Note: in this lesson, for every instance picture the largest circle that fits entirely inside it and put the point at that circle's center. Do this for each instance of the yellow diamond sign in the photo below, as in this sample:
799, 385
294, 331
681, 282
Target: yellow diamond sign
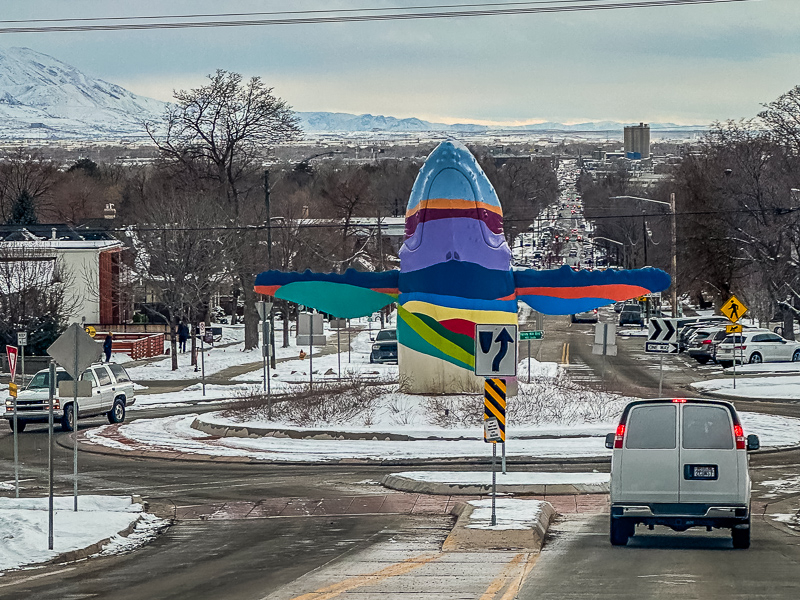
733, 309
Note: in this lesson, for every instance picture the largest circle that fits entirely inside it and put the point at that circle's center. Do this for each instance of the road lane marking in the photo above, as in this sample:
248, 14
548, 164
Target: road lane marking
394, 570
501, 581
32, 577
516, 584
565, 354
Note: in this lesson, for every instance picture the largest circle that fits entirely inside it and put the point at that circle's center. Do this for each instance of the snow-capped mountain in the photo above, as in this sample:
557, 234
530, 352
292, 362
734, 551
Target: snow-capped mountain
42, 97
320, 122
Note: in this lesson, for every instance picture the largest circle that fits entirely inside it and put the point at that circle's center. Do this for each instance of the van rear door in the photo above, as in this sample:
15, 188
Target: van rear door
709, 459
649, 465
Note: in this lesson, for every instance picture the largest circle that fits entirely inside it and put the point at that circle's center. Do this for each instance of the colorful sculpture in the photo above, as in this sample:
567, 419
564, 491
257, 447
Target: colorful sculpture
455, 272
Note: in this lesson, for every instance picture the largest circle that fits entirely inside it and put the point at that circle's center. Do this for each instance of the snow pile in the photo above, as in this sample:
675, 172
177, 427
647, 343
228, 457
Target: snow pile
24, 525
510, 478
509, 513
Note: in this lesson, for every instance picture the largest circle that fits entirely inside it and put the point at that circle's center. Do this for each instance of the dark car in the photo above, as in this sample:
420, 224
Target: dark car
589, 316
631, 315
384, 349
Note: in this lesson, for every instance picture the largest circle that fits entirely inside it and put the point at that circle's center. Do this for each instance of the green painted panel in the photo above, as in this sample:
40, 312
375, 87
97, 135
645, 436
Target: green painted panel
464, 341
444, 348
338, 299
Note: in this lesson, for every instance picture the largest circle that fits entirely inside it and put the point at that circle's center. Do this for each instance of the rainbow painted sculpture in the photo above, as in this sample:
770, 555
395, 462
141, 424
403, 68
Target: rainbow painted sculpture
455, 272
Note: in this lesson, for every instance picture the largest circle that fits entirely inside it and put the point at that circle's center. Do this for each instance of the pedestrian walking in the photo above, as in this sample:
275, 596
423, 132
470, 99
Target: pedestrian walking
107, 344
183, 335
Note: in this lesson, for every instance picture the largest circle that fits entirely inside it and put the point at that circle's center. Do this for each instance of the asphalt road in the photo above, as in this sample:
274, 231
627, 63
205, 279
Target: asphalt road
201, 556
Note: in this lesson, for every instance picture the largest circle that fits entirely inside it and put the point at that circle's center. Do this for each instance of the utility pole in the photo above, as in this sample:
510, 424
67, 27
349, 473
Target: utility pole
674, 299
269, 266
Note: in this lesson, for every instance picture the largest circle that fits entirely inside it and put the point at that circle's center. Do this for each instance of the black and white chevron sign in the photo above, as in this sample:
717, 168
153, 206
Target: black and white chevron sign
662, 336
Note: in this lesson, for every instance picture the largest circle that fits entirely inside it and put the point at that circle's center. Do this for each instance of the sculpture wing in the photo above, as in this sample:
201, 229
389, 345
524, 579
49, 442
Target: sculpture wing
564, 291
346, 296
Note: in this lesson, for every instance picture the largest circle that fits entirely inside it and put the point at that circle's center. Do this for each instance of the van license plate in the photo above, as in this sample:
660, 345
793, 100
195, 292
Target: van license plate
701, 472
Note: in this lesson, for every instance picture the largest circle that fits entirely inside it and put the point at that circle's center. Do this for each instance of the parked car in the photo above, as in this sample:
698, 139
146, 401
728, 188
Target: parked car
385, 347
688, 325
589, 316
618, 306
757, 346
680, 463
111, 393
631, 314
702, 345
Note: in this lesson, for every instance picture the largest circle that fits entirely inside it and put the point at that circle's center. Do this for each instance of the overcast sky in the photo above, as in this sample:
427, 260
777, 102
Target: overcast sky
682, 64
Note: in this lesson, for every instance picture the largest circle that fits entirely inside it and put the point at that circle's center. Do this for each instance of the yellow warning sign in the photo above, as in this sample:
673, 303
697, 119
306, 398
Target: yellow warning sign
733, 309
733, 329
90, 330
12, 389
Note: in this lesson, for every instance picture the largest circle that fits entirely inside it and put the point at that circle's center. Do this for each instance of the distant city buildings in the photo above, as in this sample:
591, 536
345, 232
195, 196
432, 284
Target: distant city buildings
637, 141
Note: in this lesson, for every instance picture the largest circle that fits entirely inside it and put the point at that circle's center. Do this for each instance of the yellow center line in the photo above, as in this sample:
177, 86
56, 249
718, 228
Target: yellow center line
502, 579
394, 570
514, 587
565, 354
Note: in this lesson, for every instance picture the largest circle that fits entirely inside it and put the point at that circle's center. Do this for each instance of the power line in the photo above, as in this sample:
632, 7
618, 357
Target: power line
296, 225
396, 16
297, 12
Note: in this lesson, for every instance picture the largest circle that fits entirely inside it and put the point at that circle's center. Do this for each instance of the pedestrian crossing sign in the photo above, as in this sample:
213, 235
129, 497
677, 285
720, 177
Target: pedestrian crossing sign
733, 309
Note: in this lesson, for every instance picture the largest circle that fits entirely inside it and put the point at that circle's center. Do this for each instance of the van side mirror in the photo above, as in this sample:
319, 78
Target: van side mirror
610, 440
753, 442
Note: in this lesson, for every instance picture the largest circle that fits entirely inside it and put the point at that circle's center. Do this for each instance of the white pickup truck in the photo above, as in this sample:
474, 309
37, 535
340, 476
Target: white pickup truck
111, 393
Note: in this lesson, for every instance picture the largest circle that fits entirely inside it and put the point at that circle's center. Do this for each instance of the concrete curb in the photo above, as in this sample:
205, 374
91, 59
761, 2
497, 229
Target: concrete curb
82, 553
255, 432
406, 484
462, 538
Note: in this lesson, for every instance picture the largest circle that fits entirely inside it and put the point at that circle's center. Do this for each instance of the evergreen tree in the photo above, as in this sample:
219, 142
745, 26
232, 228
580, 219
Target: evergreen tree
23, 212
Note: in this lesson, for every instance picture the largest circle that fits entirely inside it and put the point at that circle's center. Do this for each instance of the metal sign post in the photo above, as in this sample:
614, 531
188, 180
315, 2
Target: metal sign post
22, 341
51, 393
12, 390
662, 338
74, 350
202, 328
605, 343
311, 351
494, 425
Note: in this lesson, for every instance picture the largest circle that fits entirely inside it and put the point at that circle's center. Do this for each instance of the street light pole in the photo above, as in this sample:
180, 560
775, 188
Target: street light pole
674, 239
674, 298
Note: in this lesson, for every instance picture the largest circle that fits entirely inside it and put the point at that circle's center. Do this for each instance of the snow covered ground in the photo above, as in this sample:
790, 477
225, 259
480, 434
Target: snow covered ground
510, 478
510, 514
175, 434
24, 526
784, 387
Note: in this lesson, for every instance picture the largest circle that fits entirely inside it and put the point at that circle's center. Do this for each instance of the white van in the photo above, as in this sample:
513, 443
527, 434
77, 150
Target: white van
681, 463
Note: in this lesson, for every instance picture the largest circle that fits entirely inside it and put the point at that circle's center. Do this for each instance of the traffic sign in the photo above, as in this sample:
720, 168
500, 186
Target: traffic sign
496, 350
494, 410
22, 338
90, 330
202, 329
662, 336
12, 389
733, 309
733, 328
531, 335
74, 350
605, 339
12, 351
263, 309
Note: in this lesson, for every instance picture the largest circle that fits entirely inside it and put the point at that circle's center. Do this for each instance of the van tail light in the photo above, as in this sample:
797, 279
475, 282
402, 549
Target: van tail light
619, 436
679, 400
739, 433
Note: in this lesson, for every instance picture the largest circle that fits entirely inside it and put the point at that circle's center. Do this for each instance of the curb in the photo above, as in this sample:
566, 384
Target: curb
406, 484
462, 538
81, 553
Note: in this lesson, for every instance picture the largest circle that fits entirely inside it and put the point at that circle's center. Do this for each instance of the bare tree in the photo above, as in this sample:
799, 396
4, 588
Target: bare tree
222, 132
23, 174
179, 252
33, 295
